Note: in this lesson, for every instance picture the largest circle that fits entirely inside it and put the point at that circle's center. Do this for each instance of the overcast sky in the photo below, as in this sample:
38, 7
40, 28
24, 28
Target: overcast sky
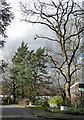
21, 31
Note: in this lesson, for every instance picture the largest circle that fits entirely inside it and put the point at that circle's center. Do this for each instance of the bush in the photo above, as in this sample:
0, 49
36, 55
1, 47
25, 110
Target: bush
45, 104
38, 103
7, 100
24, 102
55, 101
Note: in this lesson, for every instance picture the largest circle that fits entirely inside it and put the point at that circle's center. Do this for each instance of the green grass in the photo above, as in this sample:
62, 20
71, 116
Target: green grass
33, 106
38, 111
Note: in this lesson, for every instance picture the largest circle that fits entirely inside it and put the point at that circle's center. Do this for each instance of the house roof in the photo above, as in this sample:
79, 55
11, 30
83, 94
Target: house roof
81, 89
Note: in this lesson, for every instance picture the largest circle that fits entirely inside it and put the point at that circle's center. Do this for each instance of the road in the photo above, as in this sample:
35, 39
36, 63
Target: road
14, 112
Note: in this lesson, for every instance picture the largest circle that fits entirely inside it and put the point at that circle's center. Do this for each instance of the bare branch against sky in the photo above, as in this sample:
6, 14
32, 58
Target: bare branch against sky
20, 31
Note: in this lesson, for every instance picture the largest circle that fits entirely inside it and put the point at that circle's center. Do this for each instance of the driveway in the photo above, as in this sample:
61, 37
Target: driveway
14, 112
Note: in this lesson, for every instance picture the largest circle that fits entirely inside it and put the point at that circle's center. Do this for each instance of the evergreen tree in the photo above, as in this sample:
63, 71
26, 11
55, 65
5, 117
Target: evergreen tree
6, 17
29, 71
14, 83
36, 71
19, 67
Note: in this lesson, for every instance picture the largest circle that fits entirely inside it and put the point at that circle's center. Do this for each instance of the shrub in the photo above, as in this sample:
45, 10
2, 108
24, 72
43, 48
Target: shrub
55, 101
7, 100
45, 104
24, 102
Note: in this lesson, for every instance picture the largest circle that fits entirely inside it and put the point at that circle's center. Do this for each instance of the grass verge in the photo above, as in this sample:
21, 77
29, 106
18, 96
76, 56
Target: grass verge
38, 111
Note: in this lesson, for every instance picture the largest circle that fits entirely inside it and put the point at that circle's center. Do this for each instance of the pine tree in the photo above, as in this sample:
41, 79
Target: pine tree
14, 83
6, 17
36, 71
29, 70
19, 67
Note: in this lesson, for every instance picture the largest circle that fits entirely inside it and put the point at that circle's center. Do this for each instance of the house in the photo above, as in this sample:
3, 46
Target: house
77, 94
77, 89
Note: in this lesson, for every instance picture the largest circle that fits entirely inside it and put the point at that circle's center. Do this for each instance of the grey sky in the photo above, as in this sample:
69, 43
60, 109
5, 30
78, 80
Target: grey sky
21, 31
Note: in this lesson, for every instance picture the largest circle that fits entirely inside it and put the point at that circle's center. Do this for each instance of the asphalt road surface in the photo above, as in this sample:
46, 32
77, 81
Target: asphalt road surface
14, 112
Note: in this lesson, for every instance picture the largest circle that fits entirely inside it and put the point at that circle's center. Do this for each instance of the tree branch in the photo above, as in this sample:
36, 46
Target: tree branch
73, 72
37, 36
57, 67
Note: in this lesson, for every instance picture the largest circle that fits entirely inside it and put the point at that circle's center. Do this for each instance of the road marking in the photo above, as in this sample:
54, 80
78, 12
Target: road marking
15, 116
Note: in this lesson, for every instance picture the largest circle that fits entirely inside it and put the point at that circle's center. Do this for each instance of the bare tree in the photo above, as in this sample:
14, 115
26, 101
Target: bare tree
9, 85
64, 19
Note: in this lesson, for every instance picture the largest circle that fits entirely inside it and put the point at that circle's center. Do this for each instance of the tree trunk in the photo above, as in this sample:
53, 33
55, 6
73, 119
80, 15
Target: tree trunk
14, 94
67, 86
22, 90
14, 99
67, 91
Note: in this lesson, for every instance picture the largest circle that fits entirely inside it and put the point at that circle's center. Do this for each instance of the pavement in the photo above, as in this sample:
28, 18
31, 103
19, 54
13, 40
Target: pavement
14, 112
41, 114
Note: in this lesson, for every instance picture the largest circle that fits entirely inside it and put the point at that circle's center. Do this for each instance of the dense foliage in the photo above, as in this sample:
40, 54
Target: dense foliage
28, 72
55, 101
6, 17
